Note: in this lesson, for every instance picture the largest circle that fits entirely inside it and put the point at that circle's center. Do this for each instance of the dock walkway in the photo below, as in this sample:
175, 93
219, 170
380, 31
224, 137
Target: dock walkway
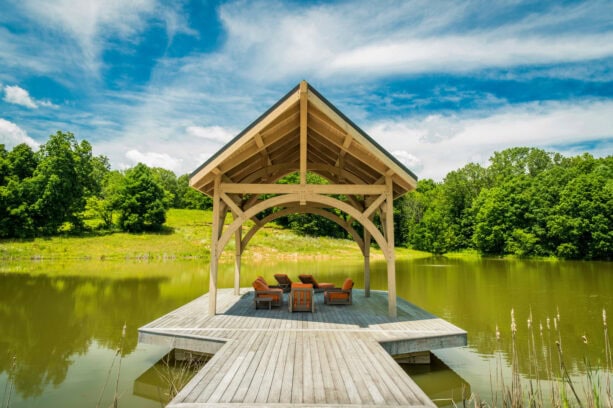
339, 356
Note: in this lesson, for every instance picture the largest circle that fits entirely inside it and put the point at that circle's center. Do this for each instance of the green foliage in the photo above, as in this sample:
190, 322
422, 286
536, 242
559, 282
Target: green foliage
191, 198
310, 224
527, 203
142, 201
58, 188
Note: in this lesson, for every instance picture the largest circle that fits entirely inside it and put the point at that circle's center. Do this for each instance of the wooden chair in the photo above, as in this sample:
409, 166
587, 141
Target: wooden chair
301, 298
318, 287
284, 281
262, 293
339, 296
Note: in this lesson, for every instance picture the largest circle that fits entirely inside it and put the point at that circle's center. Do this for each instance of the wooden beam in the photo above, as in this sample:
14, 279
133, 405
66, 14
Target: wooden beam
303, 131
390, 256
360, 189
233, 206
376, 204
366, 263
214, 240
309, 209
238, 250
259, 126
361, 140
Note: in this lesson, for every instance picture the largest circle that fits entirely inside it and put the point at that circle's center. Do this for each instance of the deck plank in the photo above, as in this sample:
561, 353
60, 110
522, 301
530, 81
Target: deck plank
334, 357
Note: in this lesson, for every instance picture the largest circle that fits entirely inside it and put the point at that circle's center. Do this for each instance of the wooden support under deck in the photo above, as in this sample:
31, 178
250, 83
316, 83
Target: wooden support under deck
337, 356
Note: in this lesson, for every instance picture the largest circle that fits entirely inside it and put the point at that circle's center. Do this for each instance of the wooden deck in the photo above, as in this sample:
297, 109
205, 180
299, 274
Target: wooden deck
337, 356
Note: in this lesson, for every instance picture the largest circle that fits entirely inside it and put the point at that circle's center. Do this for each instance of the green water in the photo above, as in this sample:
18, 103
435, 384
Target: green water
60, 323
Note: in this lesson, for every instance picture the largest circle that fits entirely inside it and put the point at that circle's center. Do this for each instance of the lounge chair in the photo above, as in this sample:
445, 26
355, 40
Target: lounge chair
301, 298
284, 281
262, 293
318, 287
339, 296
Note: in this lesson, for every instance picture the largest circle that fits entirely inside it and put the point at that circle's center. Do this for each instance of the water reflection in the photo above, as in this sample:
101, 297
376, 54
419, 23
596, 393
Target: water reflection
55, 317
443, 385
46, 321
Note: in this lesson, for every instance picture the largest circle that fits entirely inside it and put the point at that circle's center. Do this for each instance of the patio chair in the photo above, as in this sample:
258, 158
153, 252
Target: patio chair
318, 287
301, 298
266, 283
284, 281
339, 296
262, 293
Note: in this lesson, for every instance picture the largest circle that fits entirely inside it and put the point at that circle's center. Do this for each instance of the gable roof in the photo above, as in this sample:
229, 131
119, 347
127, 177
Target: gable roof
337, 149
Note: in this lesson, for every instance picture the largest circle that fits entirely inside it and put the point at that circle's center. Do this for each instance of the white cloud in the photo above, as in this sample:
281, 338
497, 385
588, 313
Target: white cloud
272, 40
18, 96
12, 135
407, 159
90, 23
153, 159
473, 137
212, 133
467, 53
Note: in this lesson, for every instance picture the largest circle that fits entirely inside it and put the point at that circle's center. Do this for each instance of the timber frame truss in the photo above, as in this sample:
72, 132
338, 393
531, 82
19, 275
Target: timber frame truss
303, 133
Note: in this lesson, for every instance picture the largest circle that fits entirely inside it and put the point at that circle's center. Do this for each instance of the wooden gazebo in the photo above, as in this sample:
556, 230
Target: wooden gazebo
303, 132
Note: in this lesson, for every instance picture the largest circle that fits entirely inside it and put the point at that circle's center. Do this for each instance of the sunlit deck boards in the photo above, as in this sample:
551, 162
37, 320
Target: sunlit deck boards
334, 357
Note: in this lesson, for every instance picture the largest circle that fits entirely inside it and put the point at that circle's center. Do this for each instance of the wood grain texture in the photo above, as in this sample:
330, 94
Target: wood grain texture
337, 356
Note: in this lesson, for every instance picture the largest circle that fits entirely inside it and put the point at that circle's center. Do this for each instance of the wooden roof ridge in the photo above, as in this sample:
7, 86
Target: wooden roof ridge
293, 96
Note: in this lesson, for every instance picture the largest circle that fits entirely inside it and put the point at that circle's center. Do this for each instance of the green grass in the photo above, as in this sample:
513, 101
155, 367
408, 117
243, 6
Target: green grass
187, 235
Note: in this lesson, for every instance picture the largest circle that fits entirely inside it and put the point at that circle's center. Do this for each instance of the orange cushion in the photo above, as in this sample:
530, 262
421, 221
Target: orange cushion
325, 285
348, 284
301, 285
259, 285
302, 298
338, 295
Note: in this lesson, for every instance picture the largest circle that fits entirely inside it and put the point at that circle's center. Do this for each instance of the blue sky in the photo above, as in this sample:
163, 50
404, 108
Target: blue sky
439, 84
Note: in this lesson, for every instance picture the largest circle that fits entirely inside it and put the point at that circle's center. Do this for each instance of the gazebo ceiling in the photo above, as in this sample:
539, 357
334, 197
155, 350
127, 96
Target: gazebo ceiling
270, 148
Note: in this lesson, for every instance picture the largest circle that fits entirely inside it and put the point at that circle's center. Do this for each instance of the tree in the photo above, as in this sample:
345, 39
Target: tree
141, 201
582, 222
22, 161
60, 189
190, 198
104, 204
167, 179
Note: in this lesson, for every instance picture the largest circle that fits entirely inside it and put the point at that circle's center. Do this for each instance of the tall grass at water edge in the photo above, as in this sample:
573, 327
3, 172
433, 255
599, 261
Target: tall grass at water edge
549, 382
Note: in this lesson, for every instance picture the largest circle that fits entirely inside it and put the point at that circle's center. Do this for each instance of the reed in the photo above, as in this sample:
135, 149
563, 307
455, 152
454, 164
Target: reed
589, 390
176, 373
10, 384
117, 357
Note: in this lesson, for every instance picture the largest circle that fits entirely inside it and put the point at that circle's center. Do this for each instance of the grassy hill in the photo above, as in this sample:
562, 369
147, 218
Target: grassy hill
187, 235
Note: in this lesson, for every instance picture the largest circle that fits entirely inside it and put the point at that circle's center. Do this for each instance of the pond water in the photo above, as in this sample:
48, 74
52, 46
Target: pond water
61, 323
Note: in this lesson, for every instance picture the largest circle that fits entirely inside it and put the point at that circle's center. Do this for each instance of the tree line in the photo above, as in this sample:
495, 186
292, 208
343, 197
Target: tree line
58, 187
527, 202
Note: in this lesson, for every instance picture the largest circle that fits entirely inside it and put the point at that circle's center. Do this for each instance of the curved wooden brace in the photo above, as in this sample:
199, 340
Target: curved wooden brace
301, 210
314, 198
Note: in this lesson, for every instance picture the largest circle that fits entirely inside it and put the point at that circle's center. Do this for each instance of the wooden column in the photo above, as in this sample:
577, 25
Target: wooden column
367, 237
237, 259
391, 256
303, 133
214, 239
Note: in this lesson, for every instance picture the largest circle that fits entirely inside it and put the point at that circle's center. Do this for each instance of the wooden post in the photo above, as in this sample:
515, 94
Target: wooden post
391, 256
214, 238
237, 259
303, 133
367, 237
